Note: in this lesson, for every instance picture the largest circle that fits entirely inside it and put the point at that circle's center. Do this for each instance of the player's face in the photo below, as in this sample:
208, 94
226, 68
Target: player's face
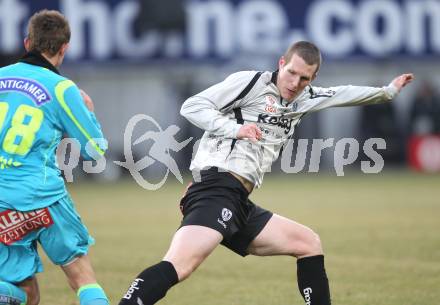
294, 76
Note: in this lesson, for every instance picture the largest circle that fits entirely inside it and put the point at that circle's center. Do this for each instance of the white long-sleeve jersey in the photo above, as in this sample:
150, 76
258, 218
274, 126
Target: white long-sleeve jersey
253, 97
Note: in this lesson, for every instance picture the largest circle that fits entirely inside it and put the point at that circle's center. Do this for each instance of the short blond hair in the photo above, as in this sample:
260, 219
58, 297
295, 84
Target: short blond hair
307, 51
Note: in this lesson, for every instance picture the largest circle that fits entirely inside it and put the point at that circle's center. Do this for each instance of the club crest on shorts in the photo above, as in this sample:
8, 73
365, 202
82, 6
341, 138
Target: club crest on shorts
226, 214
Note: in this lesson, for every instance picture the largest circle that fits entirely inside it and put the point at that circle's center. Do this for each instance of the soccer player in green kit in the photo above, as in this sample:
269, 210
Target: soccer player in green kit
38, 106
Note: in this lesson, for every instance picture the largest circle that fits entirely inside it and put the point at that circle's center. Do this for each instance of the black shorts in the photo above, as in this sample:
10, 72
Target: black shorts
220, 202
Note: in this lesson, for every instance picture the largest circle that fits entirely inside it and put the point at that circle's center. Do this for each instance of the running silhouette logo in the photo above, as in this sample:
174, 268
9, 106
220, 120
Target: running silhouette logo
163, 143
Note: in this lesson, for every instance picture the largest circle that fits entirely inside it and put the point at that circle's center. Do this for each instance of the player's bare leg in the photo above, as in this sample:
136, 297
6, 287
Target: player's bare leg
282, 236
81, 278
190, 246
30, 286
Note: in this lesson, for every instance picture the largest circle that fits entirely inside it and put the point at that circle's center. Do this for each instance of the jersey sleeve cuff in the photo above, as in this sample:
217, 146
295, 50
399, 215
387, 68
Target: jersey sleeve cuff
235, 130
391, 91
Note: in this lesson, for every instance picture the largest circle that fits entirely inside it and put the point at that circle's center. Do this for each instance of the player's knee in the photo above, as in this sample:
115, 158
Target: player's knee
313, 244
79, 272
310, 245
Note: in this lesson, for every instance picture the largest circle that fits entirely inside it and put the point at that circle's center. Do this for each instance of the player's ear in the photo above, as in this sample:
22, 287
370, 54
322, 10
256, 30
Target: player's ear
281, 62
63, 49
27, 44
315, 74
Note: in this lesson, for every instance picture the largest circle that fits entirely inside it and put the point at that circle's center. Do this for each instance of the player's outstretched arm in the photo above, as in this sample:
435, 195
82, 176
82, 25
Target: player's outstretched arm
402, 80
358, 95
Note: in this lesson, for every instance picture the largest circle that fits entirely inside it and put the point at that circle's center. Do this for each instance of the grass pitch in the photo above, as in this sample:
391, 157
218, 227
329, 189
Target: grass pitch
381, 236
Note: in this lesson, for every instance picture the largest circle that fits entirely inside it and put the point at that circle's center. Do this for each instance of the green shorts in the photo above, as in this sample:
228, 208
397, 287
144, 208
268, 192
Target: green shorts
57, 228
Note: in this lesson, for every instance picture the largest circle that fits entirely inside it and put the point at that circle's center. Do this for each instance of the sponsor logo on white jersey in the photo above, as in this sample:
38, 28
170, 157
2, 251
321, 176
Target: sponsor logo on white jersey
270, 104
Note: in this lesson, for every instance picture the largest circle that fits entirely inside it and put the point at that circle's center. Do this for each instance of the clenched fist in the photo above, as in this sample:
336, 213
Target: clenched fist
250, 132
401, 81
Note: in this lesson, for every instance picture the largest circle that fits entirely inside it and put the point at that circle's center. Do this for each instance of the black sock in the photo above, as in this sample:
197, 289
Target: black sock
151, 285
312, 280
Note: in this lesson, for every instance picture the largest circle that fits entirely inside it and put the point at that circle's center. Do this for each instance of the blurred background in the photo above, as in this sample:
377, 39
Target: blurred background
149, 56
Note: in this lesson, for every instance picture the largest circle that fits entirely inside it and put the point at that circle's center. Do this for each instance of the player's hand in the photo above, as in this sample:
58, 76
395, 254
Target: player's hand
402, 80
250, 132
87, 100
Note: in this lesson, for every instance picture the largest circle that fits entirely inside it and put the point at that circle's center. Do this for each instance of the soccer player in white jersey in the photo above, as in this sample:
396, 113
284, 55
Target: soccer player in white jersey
247, 119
